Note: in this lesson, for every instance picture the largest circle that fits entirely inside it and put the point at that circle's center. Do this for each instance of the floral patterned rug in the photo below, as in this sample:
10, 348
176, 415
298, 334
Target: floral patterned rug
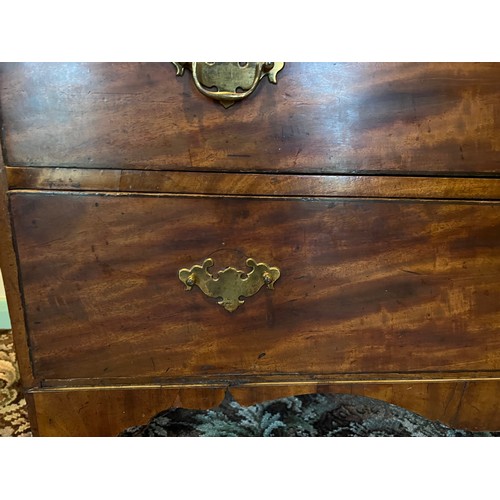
13, 411
308, 415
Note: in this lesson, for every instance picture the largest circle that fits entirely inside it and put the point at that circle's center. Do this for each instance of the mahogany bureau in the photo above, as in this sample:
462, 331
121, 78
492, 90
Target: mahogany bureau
336, 232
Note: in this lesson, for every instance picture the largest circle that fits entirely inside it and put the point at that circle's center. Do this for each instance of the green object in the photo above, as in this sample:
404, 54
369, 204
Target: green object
4, 316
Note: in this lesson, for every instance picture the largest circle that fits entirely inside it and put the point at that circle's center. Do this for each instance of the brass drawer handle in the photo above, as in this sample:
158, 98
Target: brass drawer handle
230, 284
229, 77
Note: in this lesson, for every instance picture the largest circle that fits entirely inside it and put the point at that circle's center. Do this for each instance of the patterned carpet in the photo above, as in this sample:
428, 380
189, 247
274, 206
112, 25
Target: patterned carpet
13, 412
307, 415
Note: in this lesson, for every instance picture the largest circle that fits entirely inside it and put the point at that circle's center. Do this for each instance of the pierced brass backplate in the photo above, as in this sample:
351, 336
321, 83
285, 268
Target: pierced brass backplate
230, 284
233, 80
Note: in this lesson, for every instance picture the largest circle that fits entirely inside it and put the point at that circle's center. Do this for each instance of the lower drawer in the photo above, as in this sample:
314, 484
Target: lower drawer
366, 286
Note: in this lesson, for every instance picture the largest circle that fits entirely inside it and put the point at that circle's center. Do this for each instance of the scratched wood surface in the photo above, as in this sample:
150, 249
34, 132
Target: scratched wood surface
367, 285
400, 118
108, 411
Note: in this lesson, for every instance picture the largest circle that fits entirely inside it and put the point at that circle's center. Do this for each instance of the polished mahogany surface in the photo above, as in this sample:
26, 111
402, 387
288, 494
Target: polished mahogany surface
366, 285
397, 118
374, 187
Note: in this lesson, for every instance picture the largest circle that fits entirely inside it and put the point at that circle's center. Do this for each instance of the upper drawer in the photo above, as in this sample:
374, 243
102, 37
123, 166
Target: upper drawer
404, 118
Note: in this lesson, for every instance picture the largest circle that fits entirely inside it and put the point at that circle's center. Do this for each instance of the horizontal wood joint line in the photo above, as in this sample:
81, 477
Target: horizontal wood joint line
77, 384
245, 184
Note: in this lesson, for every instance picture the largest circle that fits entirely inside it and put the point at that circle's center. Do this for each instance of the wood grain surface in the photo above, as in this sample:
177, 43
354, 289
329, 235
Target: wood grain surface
108, 411
210, 183
402, 118
10, 274
366, 286
372, 186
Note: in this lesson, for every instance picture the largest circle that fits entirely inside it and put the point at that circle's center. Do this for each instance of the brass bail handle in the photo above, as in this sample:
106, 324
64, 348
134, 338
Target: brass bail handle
222, 95
233, 81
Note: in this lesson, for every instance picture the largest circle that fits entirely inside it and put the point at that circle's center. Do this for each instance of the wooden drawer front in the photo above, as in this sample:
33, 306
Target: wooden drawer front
324, 118
366, 286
